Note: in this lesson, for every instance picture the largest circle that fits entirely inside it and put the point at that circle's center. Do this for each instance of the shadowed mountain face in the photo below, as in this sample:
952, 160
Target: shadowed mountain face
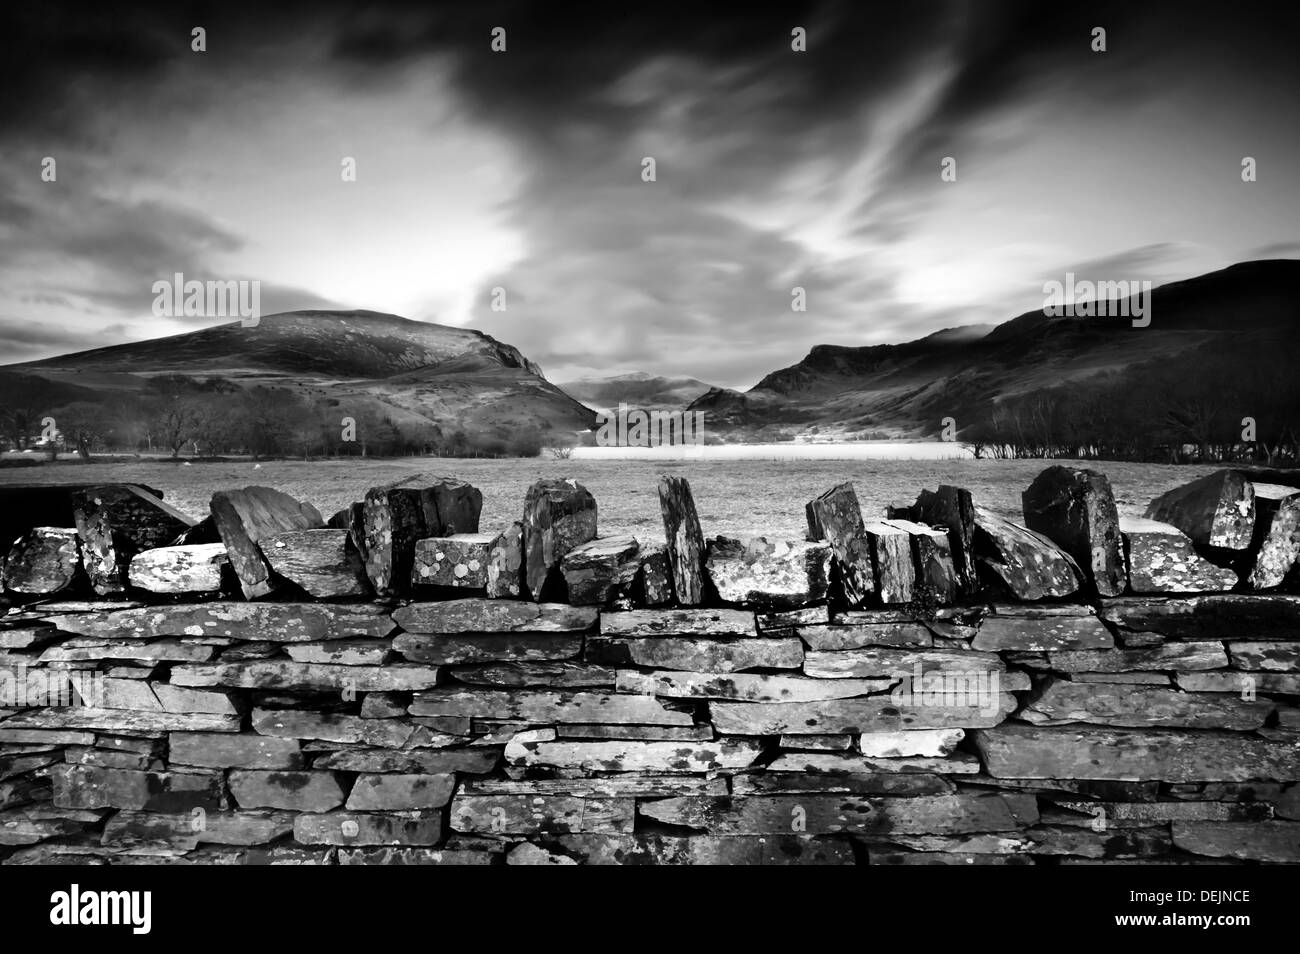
454, 377
1232, 316
637, 389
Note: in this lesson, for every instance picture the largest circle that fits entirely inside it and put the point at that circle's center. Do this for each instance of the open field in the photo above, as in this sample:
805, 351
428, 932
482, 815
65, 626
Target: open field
732, 496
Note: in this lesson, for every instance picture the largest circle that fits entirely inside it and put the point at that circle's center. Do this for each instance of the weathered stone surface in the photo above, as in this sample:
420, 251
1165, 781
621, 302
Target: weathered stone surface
1031, 566
700, 654
1042, 633
1277, 535
924, 742
685, 539
634, 756
768, 573
456, 507
1271, 841
1217, 510
295, 724
493, 616
287, 674
554, 675
1179, 656
541, 707
488, 647
505, 566
243, 751
952, 508
38, 822
457, 561
634, 733
1273, 657
393, 519
1232, 615
932, 559
1239, 682
402, 792
893, 664
361, 828
749, 687
159, 650
1155, 812
115, 522
657, 849
891, 561
856, 636
86, 786
682, 622
465, 761
324, 562
183, 830
1161, 559
1123, 678
342, 652
1015, 751
414, 856
1075, 509
43, 560
544, 814
278, 622
784, 622
291, 791
1141, 706
654, 584
851, 716
530, 854
817, 743
192, 569
623, 785
125, 721
825, 814
836, 517
594, 571
558, 516
245, 518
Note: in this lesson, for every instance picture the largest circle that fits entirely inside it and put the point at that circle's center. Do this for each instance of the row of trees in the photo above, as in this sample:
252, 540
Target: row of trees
212, 417
1212, 407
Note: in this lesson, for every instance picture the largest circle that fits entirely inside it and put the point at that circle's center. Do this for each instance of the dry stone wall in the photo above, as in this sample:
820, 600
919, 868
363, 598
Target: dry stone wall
934, 685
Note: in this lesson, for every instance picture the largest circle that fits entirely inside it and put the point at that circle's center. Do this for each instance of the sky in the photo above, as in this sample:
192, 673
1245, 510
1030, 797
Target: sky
523, 170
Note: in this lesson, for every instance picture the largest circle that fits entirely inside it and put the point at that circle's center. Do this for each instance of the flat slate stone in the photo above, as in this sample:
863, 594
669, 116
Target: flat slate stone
505, 566
1162, 559
558, 516
679, 622
1167, 656
541, 814
923, 742
287, 674
400, 792
342, 652
1276, 842
712, 850
1042, 633
464, 761
1142, 706
290, 791
86, 786
493, 616
488, 647
891, 561
1269, 656
699, 653
325, 562
244, 518
193, 569
851, 716
345, 828
748, 687
1237, 682
1060, 752
43, 560
892, 664
635, 756
622, 785
552, 675
278, 622
827, 814
838, 636
243, 751
595, 571
297, 724
540, 706
124, 721
184, 831
774, 574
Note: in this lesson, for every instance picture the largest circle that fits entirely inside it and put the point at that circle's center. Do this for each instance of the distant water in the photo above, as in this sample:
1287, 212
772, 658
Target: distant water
839, 450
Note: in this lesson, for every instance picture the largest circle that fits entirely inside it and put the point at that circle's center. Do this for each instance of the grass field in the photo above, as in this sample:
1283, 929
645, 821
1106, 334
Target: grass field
732, 496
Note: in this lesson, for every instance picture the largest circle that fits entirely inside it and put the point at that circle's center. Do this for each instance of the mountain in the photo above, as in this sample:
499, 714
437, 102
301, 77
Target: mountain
405, 370
1232, 317
637, 389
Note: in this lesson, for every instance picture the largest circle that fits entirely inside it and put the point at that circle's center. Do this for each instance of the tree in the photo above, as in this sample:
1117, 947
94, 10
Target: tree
85, 426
